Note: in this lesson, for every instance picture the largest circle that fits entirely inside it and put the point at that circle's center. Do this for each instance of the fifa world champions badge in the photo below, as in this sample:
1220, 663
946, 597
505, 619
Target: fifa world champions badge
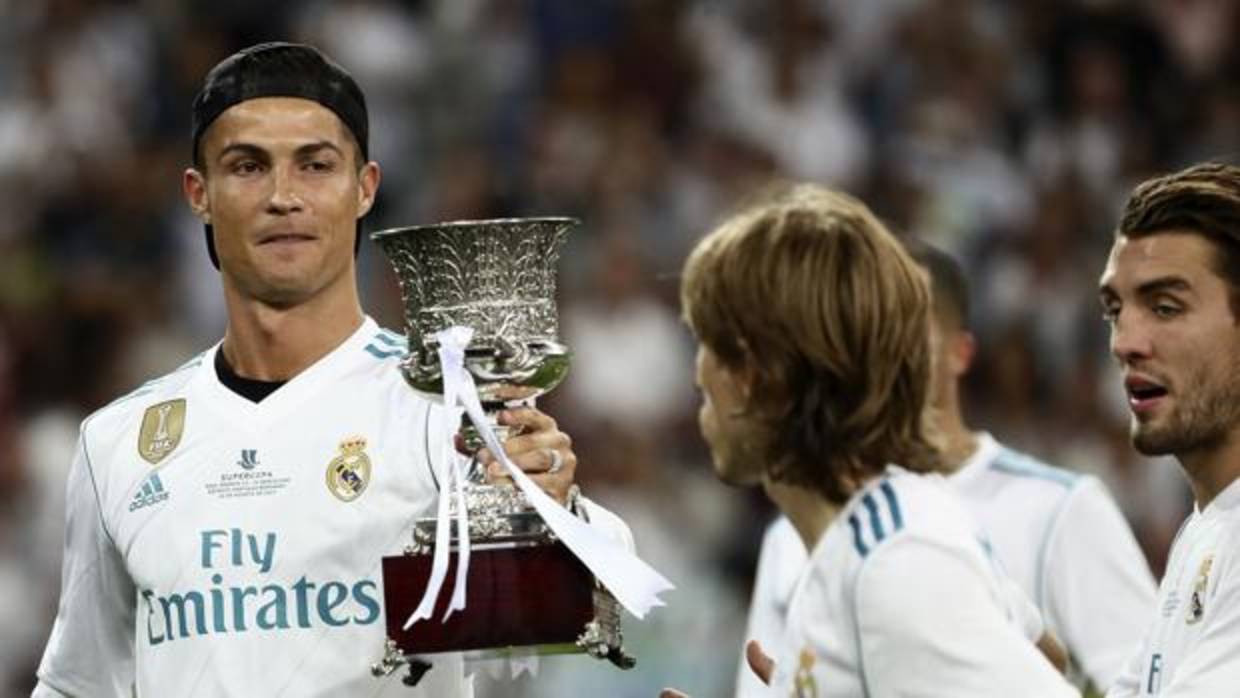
349, 472
162, 426
1197, 604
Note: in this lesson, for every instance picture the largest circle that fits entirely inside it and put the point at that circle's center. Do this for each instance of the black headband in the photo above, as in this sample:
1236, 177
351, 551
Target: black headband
281, 70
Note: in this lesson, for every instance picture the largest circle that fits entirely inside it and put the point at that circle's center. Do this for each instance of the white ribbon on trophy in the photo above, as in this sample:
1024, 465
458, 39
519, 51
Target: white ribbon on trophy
635, 584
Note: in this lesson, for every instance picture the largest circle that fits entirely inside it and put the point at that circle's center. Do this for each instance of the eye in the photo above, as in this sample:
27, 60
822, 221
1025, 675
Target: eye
246, 167
320, 166
1110, 313
1166, 310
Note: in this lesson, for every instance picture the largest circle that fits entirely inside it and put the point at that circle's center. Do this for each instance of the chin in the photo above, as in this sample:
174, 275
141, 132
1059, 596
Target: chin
1152, 441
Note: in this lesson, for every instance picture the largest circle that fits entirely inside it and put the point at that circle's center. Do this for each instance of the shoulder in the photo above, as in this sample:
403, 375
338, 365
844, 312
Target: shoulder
903, 505
385, 344
1019, 467
120, 412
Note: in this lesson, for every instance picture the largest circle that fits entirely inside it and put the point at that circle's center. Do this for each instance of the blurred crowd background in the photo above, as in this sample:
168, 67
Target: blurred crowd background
1006, 132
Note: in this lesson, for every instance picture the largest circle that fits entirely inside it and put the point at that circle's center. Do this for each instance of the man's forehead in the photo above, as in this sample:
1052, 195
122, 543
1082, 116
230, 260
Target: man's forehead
1135, 260
278, 117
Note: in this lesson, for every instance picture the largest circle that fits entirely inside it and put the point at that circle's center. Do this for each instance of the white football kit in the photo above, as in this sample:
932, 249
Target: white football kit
1192, 646
221, 547
902, 598
1060, 537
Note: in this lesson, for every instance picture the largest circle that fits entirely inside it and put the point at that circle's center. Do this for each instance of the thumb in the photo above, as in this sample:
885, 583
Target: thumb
761, 664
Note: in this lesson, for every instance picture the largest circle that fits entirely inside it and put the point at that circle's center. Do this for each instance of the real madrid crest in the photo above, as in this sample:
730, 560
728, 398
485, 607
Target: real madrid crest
1197, 604
349, 473
161, 430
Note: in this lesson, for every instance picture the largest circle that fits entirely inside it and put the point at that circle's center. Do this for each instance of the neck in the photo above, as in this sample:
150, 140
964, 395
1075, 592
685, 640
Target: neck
809, 513
959, 442
1211, 470
275, 344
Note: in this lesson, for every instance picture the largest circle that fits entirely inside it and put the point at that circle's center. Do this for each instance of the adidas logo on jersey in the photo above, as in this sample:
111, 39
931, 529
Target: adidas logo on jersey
152, 492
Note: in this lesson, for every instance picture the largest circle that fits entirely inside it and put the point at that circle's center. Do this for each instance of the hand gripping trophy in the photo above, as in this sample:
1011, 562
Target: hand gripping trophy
525, 589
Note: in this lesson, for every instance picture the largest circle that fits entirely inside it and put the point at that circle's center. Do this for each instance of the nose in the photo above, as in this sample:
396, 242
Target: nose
1130, 339
285, 197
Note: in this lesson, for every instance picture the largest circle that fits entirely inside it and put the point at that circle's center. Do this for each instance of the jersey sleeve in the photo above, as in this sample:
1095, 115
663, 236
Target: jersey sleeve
929, 624
608, 523
1099, 592
780, 563
1128, 683
91, 648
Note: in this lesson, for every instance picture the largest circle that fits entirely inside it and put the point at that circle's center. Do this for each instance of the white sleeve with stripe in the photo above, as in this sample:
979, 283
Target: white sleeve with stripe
1098, 586
91, 649
930, 624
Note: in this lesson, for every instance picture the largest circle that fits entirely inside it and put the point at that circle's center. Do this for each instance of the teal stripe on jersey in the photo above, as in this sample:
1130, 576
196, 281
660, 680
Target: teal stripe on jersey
856, 529
381, 354
875, 523
1014, 463
392, 340
897, 518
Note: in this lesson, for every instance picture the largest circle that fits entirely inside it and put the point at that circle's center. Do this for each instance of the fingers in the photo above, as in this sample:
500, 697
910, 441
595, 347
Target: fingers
761, 664
538, 448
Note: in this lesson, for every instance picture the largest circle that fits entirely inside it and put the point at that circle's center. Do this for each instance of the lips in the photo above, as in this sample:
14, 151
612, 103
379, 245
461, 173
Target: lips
1144, 394
284, 238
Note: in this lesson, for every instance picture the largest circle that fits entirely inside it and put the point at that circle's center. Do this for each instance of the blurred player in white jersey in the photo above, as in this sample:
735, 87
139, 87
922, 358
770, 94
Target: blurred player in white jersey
814, 362
1171, 293
226, 522
1059, 535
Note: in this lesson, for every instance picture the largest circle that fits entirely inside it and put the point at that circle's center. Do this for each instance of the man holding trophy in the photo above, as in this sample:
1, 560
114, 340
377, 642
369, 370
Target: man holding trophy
227, 523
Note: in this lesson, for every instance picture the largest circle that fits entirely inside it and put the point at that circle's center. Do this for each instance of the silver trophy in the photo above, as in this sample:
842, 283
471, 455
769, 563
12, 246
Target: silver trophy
498, 278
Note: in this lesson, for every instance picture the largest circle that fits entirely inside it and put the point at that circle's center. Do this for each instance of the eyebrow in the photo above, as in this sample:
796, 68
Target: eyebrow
1149, 288
257, 151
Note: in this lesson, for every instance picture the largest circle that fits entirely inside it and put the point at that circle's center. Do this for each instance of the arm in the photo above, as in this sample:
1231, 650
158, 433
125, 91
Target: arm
1098, 590
1128, 683
91, 648
929, 621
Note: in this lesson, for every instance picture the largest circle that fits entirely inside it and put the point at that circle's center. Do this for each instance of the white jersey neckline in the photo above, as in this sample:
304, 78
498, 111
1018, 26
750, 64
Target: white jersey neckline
255, 416
1229, 498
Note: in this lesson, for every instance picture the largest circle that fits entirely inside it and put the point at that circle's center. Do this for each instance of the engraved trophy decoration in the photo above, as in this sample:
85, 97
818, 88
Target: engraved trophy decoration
526, 590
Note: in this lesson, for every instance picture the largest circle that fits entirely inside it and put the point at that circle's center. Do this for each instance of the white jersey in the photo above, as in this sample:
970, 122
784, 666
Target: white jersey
902, 598
221, 547
1060, 537
1192, 646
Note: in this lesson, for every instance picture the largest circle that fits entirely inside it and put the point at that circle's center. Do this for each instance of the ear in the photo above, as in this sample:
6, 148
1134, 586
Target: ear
368, 187
194, 187
963, 350
746, 375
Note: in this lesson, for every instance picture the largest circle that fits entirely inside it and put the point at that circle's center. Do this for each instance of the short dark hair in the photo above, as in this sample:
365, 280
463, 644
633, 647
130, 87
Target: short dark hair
948, 282
280, 69
1202, 199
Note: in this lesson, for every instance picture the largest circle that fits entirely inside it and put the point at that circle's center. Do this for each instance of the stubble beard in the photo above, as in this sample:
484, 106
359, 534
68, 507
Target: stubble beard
1210, 411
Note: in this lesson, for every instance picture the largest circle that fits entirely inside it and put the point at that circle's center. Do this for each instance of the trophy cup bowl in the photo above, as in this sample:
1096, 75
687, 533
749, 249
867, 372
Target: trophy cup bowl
525, 589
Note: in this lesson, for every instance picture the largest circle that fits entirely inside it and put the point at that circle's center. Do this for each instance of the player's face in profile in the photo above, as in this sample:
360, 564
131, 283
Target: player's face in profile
722, 421
283, 191
1176, 339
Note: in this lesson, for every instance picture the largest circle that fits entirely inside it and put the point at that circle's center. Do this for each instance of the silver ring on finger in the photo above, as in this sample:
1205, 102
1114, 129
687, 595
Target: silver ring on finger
557, 462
